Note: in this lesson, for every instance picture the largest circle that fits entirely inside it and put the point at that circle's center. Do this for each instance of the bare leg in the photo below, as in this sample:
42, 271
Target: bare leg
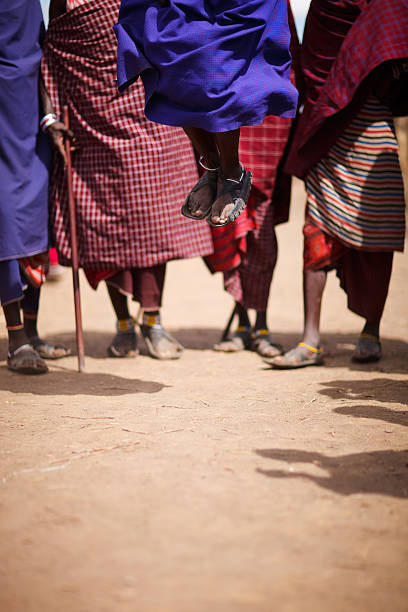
124, 344
16, 337
314, 282
313, 287
204, 143
119, 303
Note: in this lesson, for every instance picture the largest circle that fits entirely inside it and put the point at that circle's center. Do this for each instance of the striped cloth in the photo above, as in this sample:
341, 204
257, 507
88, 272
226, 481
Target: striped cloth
130, 176
355, 193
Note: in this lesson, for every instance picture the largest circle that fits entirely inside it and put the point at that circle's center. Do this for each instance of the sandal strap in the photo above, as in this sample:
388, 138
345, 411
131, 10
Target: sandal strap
310, 348
370, 336
18, 350
202, 164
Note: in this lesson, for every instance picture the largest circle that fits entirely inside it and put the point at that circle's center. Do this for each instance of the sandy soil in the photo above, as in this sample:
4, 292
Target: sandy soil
212, 483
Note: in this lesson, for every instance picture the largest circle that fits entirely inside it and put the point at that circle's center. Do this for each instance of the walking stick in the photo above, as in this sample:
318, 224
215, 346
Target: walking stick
74, 253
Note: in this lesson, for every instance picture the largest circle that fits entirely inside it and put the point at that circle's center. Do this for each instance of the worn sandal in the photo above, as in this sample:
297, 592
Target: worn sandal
243, 186
160, 344
263, 344
47, 350
25, 360
124, 343
240, 340
205, 179
297, 358
368, 349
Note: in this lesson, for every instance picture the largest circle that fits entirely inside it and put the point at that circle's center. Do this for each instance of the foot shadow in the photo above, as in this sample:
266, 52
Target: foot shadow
377, 472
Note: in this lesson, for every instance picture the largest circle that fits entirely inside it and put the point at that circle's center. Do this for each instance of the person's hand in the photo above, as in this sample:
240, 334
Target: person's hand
59, 133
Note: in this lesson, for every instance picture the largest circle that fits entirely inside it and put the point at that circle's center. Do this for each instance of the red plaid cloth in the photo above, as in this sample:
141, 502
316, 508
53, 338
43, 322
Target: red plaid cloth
342, 45
261, 150
130, 176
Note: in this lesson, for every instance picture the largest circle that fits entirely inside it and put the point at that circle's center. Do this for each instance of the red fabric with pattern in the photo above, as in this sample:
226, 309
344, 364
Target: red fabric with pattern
344, 42
130, 176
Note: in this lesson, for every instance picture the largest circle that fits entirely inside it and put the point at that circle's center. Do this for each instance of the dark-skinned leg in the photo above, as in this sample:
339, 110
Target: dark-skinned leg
16, 337
243, 318
260, 322
119, 302
124, 344
205, 145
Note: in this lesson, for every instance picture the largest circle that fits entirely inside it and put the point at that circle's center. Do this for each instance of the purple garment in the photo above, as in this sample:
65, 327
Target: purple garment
24, 152
212, 64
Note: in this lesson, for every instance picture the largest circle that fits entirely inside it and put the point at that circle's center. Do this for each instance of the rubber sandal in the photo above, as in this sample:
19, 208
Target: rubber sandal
205, 179
240, 340
239, 201
47, 350
297, 359
153, 334
263, 344
25, 360
368, 349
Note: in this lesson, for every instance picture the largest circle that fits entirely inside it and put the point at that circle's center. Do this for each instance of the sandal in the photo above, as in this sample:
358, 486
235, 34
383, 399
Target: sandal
263, 344
47, 350
368, 349
124, 344
297, 358
228, 185
25, 360
240, 340
160, 344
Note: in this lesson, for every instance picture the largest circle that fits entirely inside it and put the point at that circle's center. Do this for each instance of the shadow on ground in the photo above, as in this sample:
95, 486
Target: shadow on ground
67, 382
377, 472
382, 390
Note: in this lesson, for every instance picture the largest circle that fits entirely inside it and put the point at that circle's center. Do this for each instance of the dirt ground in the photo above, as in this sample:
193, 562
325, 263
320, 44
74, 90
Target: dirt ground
212, 483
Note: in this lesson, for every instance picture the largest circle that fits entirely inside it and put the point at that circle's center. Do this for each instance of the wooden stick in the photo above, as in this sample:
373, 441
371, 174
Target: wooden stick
74, 252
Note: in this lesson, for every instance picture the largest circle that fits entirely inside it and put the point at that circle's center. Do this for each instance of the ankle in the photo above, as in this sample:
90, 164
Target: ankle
151, 317
16, 336
125, 326
30, 325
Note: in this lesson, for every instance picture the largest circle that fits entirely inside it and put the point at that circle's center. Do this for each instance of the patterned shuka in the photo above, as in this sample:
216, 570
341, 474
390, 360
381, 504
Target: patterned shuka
130, 176
356, 193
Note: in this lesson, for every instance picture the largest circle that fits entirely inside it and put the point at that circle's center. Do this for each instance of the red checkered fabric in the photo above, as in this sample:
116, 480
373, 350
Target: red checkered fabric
130, 176
342, 46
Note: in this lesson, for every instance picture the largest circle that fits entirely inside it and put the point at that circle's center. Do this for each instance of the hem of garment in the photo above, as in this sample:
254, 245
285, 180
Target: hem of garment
30, 254
349, 245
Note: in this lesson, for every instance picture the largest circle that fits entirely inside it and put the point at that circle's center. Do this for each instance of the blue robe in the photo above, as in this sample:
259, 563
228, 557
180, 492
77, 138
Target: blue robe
212, 64
24, 150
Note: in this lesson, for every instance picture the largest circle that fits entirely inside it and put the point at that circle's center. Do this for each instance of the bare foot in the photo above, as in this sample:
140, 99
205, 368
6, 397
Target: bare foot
228, 188
202, 198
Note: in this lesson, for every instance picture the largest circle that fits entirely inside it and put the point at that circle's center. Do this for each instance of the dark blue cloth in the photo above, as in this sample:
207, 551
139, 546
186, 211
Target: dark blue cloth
24, 152
11, 283
213, 64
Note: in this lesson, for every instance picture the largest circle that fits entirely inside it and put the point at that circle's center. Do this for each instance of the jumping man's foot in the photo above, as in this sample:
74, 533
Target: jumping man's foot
232, 195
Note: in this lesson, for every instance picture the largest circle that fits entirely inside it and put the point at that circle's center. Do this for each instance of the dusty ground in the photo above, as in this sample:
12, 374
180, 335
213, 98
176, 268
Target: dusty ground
212, 483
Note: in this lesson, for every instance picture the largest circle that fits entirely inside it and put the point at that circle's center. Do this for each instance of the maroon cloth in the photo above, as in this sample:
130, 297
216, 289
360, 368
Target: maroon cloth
365, 277
130, 176
145, 285
345, 43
